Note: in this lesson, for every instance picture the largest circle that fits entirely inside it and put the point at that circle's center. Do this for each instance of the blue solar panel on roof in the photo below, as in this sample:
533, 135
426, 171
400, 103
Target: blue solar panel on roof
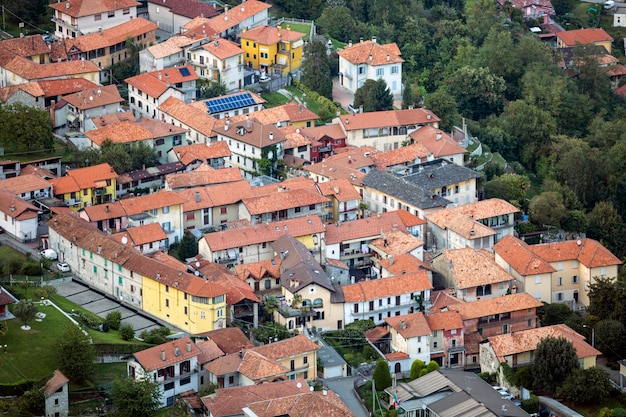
220, 104
184, 72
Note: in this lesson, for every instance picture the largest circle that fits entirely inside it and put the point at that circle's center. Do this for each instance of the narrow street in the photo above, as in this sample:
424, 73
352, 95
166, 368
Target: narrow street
344, 387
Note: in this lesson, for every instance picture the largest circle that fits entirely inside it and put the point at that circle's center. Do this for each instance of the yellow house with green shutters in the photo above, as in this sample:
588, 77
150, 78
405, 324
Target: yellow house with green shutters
188, 302
273, 50
86, 186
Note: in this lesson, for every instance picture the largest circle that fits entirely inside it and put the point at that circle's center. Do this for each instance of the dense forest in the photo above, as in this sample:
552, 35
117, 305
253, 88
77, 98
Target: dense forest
563, 132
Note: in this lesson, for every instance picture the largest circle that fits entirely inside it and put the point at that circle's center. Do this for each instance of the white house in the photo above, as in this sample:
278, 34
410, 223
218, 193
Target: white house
369, 60
220, 61
171, 15
56, 394
80, 17
172, 365
17, 217
167, 54
410, 334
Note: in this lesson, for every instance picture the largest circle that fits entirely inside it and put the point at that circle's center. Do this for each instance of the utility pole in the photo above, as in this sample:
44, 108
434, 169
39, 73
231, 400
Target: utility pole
4, 26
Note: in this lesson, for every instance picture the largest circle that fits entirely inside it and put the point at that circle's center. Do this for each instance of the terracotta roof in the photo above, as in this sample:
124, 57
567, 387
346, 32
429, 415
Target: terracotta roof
333, 171
527, 341
396, 243
520, 257
38, 171
254, 234
27, 46
333, 131
522, 4
496, 305
406, 155
222, 48
188, 8
148, 202
387, 118
83, 178
230, 401
169, 47
462, 225
236, 15
287, 348
54, 383
228, 193
296, 183
471, 268
409, 325
306, 404
403, 264
224, 365
176, 351
113, 118
61, 87
377, 333
202, 152
155, 83
371, 53
236, 290
286, 113
589, 252
29, 70
583, 36
229, 339
282, 200
369, 227
31, 88
407, 218
114, 35
340, 189
134, 131
140, 235
24, 183
194, 118
442, 299
104, 211
200, 28
437, 142
386, 287
258, 135
91, 99
485, 209
209, 351
397, 356
445, 320
256, 367
64, 185
259, 270
80, 8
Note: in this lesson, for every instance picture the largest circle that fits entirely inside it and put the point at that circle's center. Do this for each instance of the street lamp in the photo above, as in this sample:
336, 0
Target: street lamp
593, 335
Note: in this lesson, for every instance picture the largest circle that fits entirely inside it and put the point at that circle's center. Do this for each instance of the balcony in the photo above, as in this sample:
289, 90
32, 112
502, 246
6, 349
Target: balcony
64, 23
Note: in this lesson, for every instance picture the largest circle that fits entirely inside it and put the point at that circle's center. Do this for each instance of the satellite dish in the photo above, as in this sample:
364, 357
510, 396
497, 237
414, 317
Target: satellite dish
197, 264
299, 385
311, 389
124, 240
579, 242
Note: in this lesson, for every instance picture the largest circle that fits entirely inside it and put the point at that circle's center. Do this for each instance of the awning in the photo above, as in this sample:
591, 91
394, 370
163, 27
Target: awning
437, 355
71, 118
101, 184
231, 254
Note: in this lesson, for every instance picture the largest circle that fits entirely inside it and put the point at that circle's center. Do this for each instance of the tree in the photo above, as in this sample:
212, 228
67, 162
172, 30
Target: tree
381, 375
24, 129
127, 332
609, 338
443, 105
316, 69
116, 155
547, 209
186, 248
607, 299
130, 66
209, 89
25, 311
555, 360
137, 398
374, 96
554, 313
271, 331
339, 23
271, 305
586, 386
416, 368
509, 187
114, 318
142, 156
607, 226
77, 354
477, 91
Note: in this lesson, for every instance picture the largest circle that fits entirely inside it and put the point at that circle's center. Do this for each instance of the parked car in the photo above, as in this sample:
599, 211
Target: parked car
49, 254
609, 4
353, 109
504, 393
63, 267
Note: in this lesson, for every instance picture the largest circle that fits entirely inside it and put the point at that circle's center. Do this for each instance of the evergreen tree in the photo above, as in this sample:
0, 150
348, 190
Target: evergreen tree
555, 360
374, 96
381, 375
316, 69
135, 398
77, 354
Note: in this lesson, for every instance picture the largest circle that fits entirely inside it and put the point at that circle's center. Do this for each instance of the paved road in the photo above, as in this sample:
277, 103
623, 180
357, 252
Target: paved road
344, 387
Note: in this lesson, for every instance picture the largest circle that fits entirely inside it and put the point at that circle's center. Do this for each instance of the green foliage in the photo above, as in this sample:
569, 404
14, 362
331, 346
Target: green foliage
416, 368
509, 374
130, 66
316, 69
374, 96
209, 89
490, 378
271, 305
135, 398
121, 156
89, 319
381, 375
114, 319
76, 354
585, 386
327, 108
32, 268
155, 336
24, 129
554, 313
369, 353
25, 311
432, 366
607, 226
208, 389
34, 401
270, 331
531, 405
44, 291
186, 248
555, 360
477, 91
609, 338
509, 187
127, 332
523, 376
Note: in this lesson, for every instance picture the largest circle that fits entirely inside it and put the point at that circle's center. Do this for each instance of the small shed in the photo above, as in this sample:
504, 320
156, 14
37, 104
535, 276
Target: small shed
333, 364
56, 393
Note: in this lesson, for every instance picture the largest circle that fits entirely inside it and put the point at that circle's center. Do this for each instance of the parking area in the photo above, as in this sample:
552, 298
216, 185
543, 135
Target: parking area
101, 305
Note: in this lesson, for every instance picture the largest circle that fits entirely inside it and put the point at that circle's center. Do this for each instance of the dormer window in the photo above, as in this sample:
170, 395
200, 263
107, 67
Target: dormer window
241, 130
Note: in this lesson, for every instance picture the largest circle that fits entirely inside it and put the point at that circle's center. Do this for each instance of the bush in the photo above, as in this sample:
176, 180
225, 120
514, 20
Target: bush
32, 269
487, 377
89, 319
105, 327
531, 405
114, 320
369, 353
416, 368
381, 375
127, 332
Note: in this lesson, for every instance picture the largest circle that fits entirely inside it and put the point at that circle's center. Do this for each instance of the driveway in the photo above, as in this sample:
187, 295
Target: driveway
340, 94
344, 387
101, 305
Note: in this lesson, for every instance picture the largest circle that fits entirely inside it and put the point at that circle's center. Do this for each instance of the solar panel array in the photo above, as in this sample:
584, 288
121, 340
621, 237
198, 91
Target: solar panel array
184, 72
220, 104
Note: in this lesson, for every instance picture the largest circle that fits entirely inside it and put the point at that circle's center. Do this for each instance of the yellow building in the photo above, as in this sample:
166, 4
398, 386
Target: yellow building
189, 303
272, 50
86, 186
298, 354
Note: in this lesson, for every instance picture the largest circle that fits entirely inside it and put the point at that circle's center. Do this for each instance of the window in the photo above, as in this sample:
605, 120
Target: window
371, 305
190, 216
394, 69
575, 279
231, 380
168, 386
166, 209
185, 310
397, 300
167, 302
159, 142
356, 308
435, 344
111, 14
263, 55
126, 11
95, 269
575, 264
268, 284
312, 207
559, 266
537, 279
380, 72
559, 281
184, 381
97, 17
305, 360
559, 296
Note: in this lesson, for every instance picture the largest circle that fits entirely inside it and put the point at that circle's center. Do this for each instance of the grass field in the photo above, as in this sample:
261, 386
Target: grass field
299, 27
274, 99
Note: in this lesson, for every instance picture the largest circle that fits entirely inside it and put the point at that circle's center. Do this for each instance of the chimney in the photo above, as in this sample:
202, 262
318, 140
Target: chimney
388, 59
271, 136
361, 40
427, 116
241, 353
188, 346
106, 208
350, 43
99, 249
162, 355
402, 325
390, 260
177, 351
439, 135
373, 39
197, 196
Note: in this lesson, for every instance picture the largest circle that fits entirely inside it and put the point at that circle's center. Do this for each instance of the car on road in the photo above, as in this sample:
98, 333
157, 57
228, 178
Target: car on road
504, 393
63, 267
49, 254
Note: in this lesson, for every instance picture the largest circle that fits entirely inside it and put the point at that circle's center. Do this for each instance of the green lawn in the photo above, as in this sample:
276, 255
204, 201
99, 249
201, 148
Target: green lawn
274, 99
299, 27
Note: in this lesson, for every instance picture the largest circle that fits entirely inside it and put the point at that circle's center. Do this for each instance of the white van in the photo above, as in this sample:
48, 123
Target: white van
609, 4
49, 254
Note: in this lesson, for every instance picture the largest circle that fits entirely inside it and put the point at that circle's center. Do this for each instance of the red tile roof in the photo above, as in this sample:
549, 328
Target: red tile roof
202, 152
24, 183
54, 383
61, 87
314, 403
396, 243
174, 352
81, 8
152, 201
27, 46
371, 53
229, 339
387, 118
31, 71
403, 264
113, 36
589, 252
236, 289
485, 209
155, 83
520, 257
282, 200
270, 35
268, 268
496, 305
90, 99
236, 15
437, 142
341, 189
84, 178
189, 115
286, 348
445, 320
409, 325
141, 235
447, 219
471, 268
386, 287
369, 227
584, 36
222, 48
